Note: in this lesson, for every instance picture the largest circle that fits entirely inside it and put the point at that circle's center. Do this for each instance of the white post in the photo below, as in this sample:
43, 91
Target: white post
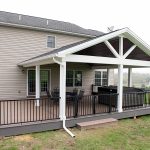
120, 77
120, 87
129, 77
121, 46
62, 88
37, 89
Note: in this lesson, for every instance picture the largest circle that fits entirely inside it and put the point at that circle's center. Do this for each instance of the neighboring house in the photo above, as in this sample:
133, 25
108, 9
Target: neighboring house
38, 55
23, 37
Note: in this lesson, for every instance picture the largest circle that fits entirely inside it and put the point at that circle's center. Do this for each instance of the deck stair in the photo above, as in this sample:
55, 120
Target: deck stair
96, 123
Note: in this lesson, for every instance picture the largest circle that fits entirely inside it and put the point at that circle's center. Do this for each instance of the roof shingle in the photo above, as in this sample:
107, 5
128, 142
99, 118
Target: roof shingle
37, 22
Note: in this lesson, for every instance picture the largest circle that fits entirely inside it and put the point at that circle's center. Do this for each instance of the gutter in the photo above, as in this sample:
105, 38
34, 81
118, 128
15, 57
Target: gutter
64, 117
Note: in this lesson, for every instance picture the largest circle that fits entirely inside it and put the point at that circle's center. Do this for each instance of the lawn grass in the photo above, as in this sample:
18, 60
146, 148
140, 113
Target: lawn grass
127, 134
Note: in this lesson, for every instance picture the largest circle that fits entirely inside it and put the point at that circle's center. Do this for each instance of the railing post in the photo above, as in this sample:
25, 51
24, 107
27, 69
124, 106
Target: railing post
94, 104
76, 106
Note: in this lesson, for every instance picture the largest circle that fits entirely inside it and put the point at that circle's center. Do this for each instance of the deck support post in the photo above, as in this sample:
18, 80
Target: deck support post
129, 77
62, 101
37, 89
120, 77
120, 88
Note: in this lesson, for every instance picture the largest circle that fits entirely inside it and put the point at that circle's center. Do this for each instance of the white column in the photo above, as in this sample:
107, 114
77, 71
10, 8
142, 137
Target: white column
120, 87
120, 77
129, 77
37, 89
62, 88
108, 77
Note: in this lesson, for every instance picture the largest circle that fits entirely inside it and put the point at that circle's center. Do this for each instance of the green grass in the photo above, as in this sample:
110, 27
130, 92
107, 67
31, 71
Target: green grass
127, 134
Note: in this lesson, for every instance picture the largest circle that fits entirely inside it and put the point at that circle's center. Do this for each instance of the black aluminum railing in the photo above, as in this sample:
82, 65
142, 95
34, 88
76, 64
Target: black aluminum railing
26, 110
90, 105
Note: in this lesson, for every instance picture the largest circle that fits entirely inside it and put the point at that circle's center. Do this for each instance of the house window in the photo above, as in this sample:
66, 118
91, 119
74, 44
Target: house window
44, 81
51, 41
101, 78
73, 78
44, 77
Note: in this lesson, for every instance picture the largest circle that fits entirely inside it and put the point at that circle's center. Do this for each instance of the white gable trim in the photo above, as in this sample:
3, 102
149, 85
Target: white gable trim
91, 43
126, 32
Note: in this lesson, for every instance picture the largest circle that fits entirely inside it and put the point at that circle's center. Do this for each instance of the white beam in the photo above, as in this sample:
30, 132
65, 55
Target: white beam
120, 88
129, 77
106, 60
129, 51
91, 59
37, 89
111, 49
121, 46
139, 63
62, 88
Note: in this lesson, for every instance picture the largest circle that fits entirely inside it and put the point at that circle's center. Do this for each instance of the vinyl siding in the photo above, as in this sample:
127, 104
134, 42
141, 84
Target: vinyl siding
17, 45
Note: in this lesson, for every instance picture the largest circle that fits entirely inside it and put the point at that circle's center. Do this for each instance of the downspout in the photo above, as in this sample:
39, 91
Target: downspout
64, 117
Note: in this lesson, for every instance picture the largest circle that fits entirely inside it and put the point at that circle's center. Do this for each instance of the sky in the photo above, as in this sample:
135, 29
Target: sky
90, 14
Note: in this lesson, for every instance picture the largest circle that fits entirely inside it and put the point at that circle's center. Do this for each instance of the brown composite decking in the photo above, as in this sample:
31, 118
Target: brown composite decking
20, 111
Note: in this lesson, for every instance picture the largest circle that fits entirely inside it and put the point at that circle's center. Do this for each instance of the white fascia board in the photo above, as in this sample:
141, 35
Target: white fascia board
42, 62
39, 59
137, 41
91, 42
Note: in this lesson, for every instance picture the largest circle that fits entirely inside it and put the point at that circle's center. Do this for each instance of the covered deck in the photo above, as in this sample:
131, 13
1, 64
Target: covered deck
119, 49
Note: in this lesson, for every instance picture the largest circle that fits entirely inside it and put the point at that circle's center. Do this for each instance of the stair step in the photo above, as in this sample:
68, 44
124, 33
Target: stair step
96, 123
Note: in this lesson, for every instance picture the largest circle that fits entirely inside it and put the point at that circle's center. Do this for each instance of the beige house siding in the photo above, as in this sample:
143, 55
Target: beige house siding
17, 45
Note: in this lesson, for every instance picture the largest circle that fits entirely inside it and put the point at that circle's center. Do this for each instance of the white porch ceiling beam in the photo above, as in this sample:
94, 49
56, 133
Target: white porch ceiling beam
91, 59
105, 60
131, 62
129, 51
111, 49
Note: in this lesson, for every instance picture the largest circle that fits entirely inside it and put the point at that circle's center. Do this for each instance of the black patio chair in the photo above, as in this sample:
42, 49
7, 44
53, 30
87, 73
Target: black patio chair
52, 95
81, 94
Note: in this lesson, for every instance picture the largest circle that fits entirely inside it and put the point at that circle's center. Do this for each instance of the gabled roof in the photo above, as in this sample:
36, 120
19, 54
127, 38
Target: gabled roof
73, 48
25, 21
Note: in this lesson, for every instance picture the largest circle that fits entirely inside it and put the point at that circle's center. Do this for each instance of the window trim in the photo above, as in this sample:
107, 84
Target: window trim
102, 70
40, 89
54, 43
74, 78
